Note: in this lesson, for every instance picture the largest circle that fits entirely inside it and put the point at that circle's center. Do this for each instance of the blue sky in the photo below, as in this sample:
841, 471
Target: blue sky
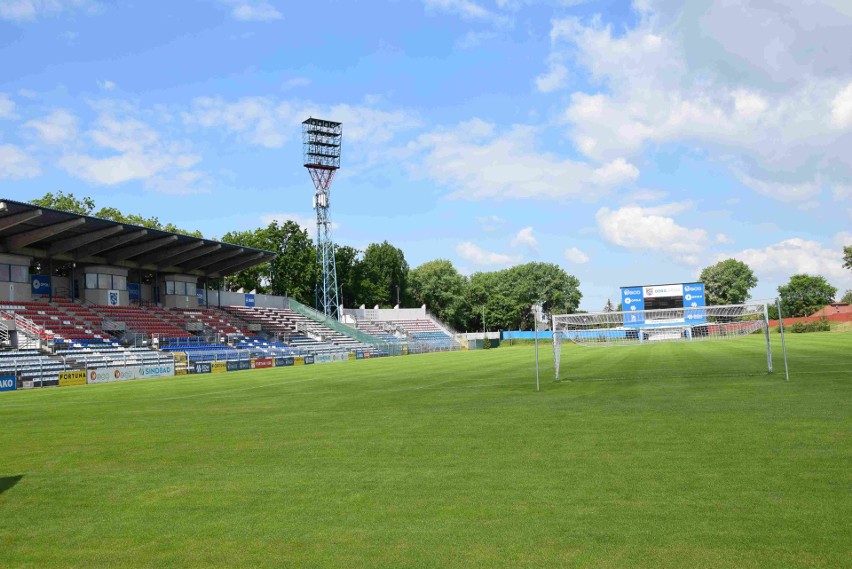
630, 143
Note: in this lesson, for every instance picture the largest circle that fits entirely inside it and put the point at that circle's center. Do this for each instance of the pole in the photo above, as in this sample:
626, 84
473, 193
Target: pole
768, 345
783, 341
535, 320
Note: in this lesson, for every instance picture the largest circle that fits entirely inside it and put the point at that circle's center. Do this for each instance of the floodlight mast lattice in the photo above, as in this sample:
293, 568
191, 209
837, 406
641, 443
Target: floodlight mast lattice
321, 142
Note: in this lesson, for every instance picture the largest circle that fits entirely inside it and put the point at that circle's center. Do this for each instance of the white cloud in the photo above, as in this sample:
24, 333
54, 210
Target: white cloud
765, 94
7, 107
268, 122
106, 85
15, 163
29, 10
525, 238
478, 256
59, 127
490, 222
135, 151
574, 255
616, 173
792, 256
253, 11
478, 162
467, 9
843, 239
555, 78
723, 239
841, 108
296, 82
650, 229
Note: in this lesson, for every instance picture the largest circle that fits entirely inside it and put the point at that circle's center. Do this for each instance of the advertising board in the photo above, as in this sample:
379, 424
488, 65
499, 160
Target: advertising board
77, 377
219, 367
110, 374
261, 363
203, 367
309, 360
156, 370
8, 383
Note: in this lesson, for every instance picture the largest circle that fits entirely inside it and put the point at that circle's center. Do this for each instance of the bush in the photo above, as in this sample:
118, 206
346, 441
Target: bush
821, 325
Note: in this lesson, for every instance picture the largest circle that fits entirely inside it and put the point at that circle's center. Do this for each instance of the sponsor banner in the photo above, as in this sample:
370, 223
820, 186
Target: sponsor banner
67, 378
219, 367
232, 366
112, 298
261, 363
632, 300
40, 284
110, 374
249, 299
203, 367
8, 383
340, 357
367, 355
284, 361
155, 370
245, 364
323, 358
662, 290
299, 361
309, 360
351, 355
199, 292
359, 354
134, 291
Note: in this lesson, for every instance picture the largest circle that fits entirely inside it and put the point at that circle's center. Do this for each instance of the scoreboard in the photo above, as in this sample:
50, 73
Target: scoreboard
637, 299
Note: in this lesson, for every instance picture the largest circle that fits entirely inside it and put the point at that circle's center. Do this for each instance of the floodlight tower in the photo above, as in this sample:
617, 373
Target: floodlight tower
321, 140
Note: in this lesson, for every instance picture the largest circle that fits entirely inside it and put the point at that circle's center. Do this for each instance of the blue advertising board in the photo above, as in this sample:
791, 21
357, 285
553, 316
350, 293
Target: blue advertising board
40, 284
632, 300
283, 361
249, 299
309, 360
636, 299
200, 293
134, 291
8, 383
232, 365
203, 367
245, 364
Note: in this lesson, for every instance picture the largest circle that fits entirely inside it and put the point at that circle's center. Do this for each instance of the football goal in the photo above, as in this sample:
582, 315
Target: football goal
673, 325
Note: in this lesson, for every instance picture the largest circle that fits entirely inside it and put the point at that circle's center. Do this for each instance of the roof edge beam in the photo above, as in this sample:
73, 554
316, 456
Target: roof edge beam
133, 250
205, 261
100, 246
18, 218
78, 241
35, 235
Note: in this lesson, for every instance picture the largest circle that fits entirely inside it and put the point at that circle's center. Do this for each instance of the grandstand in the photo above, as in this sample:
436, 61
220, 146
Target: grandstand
114, 295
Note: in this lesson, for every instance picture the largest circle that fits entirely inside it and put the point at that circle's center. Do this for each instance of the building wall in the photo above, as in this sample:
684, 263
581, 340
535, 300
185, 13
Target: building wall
21, 292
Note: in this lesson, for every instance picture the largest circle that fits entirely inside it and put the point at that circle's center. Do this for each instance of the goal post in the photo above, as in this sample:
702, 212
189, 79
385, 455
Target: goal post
646, 327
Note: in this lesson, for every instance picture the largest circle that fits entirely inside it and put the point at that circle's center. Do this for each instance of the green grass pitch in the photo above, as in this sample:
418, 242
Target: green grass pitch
654, 456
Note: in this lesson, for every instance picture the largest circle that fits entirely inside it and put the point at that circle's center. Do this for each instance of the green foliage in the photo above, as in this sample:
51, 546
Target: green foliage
381, 270
847, 257
608, 307
293, 272
805, 294
821, 325
486, 343
346, 261
85, 206
439, 286
508, 295
727, 282
847, 297
65, 202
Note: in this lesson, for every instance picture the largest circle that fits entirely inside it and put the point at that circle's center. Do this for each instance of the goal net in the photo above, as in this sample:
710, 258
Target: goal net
649, 327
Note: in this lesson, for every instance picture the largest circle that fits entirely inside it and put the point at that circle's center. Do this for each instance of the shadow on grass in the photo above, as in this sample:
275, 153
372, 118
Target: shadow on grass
8, 482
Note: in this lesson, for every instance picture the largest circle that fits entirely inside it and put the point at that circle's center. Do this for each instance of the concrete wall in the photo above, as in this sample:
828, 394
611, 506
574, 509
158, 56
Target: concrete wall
226, 298
97, 295
21, 292
385, 314
179, 300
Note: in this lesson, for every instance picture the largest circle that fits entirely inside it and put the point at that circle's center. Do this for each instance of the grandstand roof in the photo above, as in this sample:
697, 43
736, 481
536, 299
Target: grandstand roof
44, 233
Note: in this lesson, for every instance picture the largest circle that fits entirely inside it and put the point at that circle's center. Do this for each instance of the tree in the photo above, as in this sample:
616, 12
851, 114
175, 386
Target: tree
608, 307
66, 202
382, 269
847, 257
85, 206
439, 286
508, 295
346, 261
805, 294
293, 271
727, 282
847, 297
